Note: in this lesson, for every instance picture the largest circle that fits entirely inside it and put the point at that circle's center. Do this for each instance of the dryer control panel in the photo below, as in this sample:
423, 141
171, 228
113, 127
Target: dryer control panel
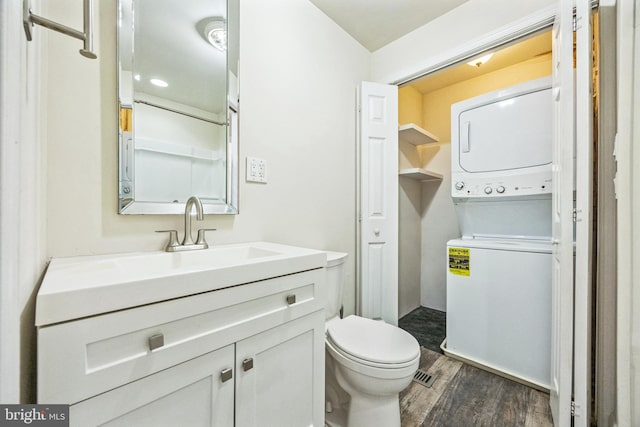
467, 185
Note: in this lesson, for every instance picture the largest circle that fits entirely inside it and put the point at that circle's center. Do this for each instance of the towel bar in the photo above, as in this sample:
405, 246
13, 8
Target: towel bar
30, 19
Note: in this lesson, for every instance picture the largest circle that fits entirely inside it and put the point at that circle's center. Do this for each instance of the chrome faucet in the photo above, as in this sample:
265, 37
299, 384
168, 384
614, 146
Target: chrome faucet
193, 200
187, 242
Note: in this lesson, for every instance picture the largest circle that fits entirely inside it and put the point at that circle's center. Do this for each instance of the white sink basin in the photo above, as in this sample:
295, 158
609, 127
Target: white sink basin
85, 286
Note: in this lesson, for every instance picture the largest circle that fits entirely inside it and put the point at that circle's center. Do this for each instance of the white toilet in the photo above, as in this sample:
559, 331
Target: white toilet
368, 362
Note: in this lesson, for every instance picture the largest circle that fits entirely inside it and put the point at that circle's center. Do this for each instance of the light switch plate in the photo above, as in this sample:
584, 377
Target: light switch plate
256, 170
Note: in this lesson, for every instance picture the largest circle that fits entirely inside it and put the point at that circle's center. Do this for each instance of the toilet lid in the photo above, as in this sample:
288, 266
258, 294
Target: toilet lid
373, 340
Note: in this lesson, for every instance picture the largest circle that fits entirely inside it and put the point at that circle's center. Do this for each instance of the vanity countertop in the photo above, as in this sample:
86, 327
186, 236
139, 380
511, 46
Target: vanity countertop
83, 286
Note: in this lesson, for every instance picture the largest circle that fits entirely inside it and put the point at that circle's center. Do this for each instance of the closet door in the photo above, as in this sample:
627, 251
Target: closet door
570, 367
378, 210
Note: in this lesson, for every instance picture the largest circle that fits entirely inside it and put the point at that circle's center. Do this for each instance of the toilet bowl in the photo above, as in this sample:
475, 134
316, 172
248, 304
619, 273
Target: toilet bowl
368, 362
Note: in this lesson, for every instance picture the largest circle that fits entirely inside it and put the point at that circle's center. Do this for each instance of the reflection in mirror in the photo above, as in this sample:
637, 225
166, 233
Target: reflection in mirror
178, 105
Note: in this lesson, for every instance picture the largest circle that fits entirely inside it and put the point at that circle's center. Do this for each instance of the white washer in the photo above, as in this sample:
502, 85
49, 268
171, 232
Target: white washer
499, 306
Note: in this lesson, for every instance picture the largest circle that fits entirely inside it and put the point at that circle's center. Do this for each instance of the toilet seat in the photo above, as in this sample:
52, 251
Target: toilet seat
372, 343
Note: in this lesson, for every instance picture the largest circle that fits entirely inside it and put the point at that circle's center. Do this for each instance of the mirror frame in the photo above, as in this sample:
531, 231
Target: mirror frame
129, 206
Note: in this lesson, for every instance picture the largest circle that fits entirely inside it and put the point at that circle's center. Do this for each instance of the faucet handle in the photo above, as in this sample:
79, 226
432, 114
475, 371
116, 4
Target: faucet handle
201, 240
173, 238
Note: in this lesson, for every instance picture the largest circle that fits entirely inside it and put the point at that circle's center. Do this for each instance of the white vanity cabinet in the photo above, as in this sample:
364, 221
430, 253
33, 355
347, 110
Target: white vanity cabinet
246, 355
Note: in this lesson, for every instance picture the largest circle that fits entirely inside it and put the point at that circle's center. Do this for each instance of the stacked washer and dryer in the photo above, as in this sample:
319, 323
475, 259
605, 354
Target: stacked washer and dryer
499, 271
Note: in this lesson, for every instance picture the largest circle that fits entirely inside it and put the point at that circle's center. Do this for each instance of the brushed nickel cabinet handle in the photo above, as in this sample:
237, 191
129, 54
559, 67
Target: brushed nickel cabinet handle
291, 299
247, 364
226, 374
156, 341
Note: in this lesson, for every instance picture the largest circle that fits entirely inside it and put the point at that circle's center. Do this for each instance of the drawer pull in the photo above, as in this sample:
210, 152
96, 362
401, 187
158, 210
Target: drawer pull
226, 374
156, 341
291, 299
247, 364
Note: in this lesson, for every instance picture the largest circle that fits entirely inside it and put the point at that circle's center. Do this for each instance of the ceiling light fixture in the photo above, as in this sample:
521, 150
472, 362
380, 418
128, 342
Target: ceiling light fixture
480, 61
216, 34
159, 83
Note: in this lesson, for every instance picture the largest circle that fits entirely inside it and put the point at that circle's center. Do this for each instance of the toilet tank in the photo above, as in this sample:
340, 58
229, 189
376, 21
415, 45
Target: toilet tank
335, 282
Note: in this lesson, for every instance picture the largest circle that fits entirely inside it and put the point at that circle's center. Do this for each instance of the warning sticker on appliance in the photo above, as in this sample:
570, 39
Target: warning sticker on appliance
459, 261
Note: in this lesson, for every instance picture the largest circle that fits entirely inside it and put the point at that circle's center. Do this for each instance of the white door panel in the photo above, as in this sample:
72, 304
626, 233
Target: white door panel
583, 226
562, 224
570, 363
379, 201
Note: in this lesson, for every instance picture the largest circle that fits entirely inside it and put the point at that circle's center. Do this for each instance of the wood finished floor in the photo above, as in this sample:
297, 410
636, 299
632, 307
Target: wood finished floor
465, 396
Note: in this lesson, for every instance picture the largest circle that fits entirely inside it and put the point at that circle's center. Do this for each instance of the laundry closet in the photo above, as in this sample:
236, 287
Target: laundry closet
487, 217
427, 218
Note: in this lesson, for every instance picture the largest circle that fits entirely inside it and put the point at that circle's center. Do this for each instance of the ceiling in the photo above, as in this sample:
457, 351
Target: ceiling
533, 47
376, 23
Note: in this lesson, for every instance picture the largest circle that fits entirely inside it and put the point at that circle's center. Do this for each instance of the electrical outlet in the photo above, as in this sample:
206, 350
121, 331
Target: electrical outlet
256, 170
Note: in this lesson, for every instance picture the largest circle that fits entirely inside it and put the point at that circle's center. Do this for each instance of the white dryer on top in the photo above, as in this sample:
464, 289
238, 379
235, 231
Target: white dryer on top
501, 142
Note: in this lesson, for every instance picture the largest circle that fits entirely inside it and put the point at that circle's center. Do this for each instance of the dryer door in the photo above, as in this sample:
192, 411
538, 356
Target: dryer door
506, 132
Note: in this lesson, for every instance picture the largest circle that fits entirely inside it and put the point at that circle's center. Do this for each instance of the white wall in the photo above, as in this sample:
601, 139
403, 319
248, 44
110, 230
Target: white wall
409, 244
461, 28
635, 288
627, 184
627, 189
439, 225
22, 223
298, 74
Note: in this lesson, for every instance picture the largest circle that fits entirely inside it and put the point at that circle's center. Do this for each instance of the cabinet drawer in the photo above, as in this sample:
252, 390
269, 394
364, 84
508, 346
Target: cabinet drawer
85, 357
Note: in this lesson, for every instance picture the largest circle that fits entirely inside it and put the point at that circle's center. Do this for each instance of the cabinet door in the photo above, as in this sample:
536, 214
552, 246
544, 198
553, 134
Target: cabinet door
280, 375
191, 394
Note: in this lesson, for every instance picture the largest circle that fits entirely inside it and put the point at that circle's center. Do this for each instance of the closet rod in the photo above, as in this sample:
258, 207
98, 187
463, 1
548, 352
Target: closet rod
30, 19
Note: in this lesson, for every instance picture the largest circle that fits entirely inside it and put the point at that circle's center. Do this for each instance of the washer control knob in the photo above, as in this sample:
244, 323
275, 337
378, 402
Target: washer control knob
459, 185
487, 190
500, 189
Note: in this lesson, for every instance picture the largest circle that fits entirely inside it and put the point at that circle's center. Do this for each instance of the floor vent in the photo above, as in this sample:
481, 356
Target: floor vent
422, 378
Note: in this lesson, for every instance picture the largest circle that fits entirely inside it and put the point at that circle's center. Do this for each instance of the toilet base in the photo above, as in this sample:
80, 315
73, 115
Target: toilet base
348, 407
374, 411
336, 418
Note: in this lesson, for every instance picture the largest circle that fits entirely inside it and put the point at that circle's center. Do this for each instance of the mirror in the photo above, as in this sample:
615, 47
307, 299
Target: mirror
178, 105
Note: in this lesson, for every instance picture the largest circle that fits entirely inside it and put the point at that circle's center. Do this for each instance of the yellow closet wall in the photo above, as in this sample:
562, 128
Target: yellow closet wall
409, 106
